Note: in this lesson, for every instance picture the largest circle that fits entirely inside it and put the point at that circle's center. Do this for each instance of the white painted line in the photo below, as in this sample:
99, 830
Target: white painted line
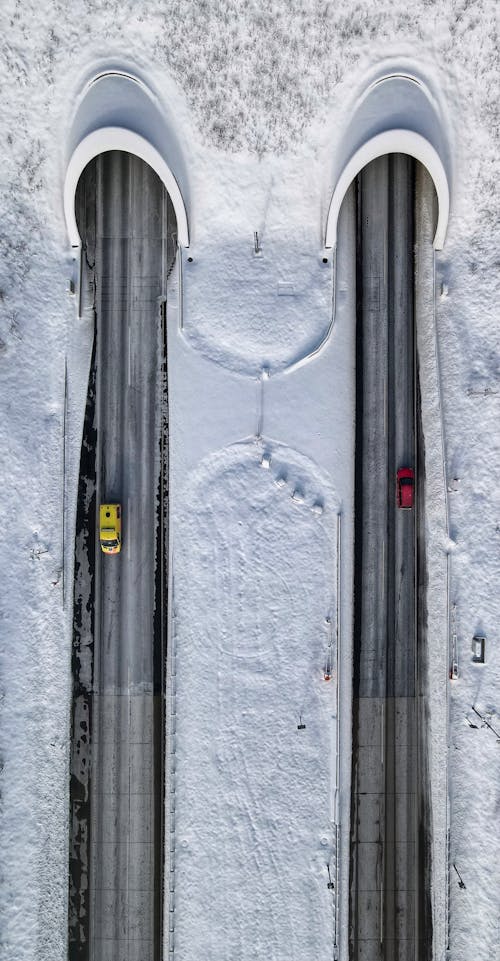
382, 910
382, 738
128, 528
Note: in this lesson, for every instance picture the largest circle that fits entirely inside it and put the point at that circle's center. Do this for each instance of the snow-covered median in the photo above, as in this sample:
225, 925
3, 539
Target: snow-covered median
254, 603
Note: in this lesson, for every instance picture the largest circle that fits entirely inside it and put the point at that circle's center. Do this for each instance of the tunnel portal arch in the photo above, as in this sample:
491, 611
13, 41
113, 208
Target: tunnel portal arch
104, 140
393, 141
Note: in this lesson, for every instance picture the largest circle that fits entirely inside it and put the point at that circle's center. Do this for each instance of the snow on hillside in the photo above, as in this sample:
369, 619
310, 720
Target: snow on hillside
259, 93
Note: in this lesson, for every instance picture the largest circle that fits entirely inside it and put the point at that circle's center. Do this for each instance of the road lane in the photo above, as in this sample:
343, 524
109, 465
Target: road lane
384, 829
401, 862
401, 657
125, 908
127, 225
372, 519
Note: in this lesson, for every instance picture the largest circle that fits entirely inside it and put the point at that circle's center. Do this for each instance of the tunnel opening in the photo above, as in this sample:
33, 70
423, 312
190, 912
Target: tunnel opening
119, 140
396, 141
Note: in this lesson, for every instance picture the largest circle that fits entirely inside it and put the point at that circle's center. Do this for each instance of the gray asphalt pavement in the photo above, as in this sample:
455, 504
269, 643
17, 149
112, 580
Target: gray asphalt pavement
126, 221
384, 832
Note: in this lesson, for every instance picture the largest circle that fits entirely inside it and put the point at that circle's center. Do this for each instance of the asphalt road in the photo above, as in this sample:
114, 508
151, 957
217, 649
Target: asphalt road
384, 827
127, 223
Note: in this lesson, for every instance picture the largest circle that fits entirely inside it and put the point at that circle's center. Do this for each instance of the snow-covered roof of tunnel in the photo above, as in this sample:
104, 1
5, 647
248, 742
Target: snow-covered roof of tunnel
393, 141
119, 138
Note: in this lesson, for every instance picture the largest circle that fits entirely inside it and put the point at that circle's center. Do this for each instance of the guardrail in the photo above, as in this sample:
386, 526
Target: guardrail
310, 355
169, 686
171, 715
337, 770
65, 411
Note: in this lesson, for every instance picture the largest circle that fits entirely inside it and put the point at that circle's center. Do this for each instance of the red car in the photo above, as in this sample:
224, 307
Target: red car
405, 485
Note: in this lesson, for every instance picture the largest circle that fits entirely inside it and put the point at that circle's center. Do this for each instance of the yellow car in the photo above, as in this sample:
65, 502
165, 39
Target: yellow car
110, 528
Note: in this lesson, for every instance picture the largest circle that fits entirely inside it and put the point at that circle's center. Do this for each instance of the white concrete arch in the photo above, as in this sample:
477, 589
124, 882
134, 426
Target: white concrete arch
393, 141
119, 138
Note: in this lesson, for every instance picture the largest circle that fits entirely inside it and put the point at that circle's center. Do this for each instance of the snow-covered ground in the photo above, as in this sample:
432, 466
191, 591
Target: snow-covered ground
260, 95
258, 550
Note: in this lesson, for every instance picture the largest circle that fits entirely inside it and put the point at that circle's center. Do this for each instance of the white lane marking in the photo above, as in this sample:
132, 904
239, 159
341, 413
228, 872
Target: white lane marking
382, 910
382, 738
385, 408
129, 380
128, 527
